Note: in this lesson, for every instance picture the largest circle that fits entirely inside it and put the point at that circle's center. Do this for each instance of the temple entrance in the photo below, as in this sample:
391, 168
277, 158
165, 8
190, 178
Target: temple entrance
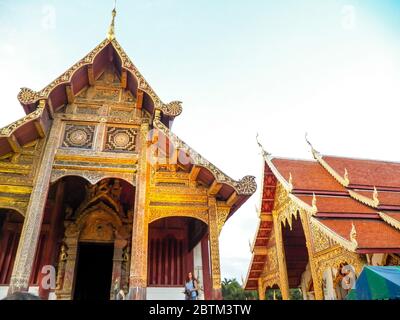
296, 255
177, 245
94, 271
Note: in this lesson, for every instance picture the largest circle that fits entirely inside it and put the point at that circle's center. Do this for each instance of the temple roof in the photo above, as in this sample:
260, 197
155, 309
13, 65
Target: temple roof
40, 107
354, 202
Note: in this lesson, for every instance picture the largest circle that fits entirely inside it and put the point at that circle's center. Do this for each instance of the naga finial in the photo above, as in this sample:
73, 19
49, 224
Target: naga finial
353, 234
111, 29
346, 175
375, 196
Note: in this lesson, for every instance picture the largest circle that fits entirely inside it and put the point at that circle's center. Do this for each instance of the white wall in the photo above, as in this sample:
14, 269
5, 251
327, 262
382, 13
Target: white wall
198, 268
165, 293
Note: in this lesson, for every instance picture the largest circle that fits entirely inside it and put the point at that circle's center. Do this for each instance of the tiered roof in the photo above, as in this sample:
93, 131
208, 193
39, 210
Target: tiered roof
355, 202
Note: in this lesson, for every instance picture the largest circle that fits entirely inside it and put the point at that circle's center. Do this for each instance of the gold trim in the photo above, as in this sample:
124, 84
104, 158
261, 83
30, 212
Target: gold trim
27, 96
364, 199
388, 219
11, 128
348, 245
303, 205
344, 181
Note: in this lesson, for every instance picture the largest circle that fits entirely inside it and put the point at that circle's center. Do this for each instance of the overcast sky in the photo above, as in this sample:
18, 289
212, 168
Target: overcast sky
281, 68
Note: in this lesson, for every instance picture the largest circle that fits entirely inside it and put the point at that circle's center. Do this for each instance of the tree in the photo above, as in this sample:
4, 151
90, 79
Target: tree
232, 290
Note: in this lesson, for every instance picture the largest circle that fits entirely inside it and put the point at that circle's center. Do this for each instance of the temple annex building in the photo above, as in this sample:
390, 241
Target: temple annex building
94, 182
321, 221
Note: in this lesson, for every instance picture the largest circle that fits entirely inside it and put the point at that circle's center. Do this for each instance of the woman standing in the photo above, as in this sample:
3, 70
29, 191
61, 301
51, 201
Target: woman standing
191, 289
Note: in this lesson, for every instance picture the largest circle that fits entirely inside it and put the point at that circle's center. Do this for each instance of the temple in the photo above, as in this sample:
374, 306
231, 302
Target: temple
99, 199
321, 221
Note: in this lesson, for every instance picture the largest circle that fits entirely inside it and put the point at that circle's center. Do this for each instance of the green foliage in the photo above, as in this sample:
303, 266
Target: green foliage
232, 290
295, 294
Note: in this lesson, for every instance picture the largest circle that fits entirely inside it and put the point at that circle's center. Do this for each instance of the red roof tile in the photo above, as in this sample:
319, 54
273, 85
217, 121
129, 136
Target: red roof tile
307, 175
371, 233
367, 172
332, 204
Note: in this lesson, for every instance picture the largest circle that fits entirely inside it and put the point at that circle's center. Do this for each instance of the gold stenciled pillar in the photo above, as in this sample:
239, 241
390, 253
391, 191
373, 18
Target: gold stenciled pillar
138, 270
214, 249
34, 215
283, 276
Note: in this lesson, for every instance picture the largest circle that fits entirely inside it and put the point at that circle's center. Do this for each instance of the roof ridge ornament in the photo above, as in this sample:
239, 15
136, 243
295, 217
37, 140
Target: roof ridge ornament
353, 234
346, 176
111, 29
263, 151
314, 152
375, 196
290, 181
314, 202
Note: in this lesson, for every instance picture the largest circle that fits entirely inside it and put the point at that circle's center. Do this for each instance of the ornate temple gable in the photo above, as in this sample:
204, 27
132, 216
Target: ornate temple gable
29, 98
40, 106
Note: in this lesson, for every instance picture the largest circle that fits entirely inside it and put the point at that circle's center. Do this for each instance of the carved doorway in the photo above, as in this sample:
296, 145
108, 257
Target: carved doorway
94, 271
94, 256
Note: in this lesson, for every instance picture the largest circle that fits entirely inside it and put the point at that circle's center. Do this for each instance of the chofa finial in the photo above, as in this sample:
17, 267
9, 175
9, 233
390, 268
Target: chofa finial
314, 152
264, 153
111, 29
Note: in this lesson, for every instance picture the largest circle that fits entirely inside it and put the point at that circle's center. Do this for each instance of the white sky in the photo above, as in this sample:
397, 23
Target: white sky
329, 68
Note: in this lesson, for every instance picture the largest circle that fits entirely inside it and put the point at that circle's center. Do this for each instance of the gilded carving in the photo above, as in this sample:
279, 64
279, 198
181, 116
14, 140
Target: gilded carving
78, 136
121, 139
320, 241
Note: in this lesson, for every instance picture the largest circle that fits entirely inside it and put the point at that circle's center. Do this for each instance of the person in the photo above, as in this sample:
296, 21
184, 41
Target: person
191, 289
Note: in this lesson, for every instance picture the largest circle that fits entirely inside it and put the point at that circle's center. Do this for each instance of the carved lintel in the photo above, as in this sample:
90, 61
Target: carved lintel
70, 94
14, 144
91, 75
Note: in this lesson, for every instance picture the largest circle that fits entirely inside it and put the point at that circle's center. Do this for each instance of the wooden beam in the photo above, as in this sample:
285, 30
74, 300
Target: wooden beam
50, 109
14, 144
174, 159
124, 78
139, 99
91, 75
40, 128
260, 251
194, 173
70, 94
214, 188
232, 199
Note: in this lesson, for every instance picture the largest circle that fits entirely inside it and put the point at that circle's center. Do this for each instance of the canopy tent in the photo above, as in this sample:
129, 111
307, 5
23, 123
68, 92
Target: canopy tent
377, 283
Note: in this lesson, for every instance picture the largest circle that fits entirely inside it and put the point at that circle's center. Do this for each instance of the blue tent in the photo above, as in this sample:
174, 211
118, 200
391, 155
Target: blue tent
376, 283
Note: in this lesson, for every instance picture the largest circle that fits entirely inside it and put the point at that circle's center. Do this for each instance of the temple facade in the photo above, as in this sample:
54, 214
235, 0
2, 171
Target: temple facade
321, 221
99, 199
